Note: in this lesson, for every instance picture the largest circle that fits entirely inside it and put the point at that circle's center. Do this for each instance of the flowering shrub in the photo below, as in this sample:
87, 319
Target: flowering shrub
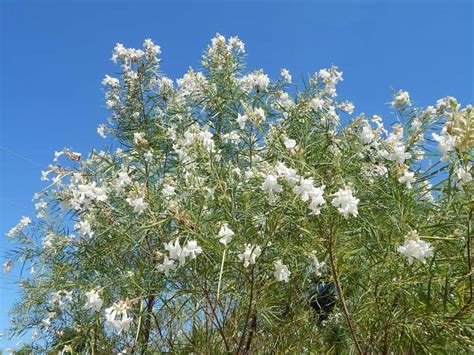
242, 215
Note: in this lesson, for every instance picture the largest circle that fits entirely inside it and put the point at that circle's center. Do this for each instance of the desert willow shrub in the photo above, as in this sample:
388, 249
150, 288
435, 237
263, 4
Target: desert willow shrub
239, 214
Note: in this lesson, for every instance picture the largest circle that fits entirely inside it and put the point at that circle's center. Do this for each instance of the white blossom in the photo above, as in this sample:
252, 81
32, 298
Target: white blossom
304, 189
285, 74
84, 228
101, 130
117, 317
401, 100
24, 222
317, 103
317, 199
464, 175
281, 273
345, 202
93, 302
8, 266
225, 234
414, 248
168, 190
241, 119
139, 205
289, 143
407, 178
271, 186
367, 135
317, 265
250, 255
446, 142
167, 265
122, 180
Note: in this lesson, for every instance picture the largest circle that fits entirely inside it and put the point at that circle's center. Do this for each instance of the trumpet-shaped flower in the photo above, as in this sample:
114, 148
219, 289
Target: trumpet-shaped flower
271, 185
414, 248
117, 317
139, 205
225, 234
345, 202
94, 302
281, 273
250, 255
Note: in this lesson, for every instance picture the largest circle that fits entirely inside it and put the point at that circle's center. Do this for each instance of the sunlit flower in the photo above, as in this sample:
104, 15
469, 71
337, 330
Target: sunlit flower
401, 100
345, 202
285, 74
282, 273
407, 178
250, 255
139, 205
93, 302
271, 186
414, 248
117, 317
225, 234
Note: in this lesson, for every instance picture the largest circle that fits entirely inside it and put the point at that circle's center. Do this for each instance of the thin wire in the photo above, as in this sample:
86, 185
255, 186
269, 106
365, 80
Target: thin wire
18, 155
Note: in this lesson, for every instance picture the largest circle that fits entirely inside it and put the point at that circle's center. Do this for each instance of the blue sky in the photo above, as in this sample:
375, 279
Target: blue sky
55, 54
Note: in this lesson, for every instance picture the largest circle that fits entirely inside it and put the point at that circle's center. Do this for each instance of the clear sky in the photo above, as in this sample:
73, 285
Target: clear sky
54, 55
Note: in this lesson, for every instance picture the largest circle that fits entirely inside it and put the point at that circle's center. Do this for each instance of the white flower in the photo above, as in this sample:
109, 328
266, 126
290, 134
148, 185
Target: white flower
237, 44
317, 199
168, 190
261, 80
226, 234
151, 48
317, 265
250, 255
259, 114
367, 135
138, 204
8, 266
192, 249
148, 156
416, 124
281, 271
347, 107
101, 130
167, 265
241, 119
304, 189
288, 174
271, 185
138, 138
464, 175
109, 81
345, 202
414, 248
94, 302
175, 251
84, 228
289, 143
123, 179
286, 75
117, 317
317, 103
24, 222
401, 100
60, 298
84, 194
446, 142
407, 178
